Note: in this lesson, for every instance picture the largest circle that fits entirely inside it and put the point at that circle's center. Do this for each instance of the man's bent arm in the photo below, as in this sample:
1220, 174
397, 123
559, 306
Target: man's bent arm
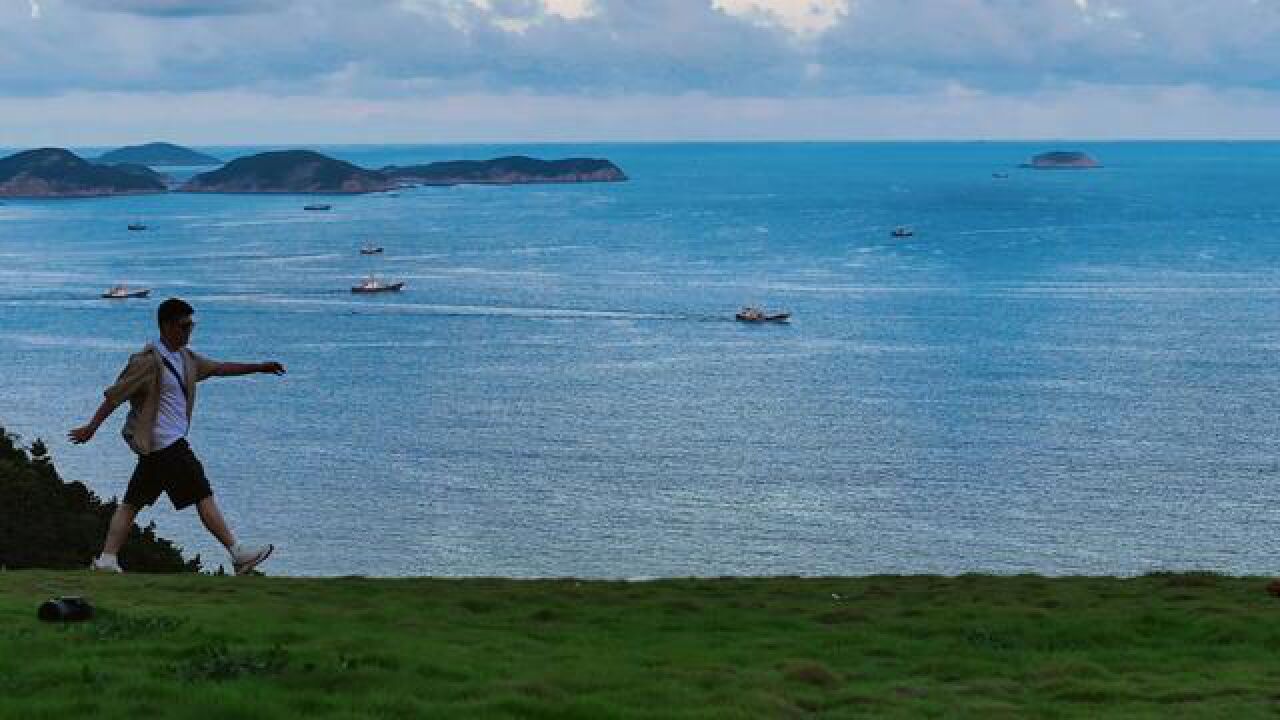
230, 369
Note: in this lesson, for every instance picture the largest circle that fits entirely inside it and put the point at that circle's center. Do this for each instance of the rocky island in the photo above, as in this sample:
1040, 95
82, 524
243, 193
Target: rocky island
1062, 159
158, 154
507, 171
304, 171
288, 171
56, 172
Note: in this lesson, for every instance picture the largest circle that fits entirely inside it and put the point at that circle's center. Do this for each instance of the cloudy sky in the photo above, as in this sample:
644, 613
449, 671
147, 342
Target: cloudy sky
89, 72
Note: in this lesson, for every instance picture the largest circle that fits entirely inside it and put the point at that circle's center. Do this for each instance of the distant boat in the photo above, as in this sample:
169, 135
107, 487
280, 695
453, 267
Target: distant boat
373, 285
1000, 175
319, 206
902, 231
137, 226
371, 250
758, 315
120, 292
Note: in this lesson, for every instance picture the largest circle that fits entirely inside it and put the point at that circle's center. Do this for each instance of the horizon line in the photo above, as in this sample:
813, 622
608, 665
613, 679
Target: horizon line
455, 143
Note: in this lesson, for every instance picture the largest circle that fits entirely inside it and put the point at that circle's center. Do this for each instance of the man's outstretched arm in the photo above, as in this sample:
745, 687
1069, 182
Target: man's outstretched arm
230, 369
85, 433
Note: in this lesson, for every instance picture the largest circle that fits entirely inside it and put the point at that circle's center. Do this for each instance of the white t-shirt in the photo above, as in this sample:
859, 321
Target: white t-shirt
171, 413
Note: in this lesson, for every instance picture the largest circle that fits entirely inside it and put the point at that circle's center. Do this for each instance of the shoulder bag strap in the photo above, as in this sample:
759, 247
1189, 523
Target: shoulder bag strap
181, 383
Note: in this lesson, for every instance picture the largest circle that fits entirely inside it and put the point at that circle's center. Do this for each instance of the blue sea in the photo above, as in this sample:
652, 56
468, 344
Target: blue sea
1061, 372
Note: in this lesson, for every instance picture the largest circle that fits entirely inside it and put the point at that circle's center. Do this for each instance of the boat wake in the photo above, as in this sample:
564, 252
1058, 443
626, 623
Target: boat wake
370, 306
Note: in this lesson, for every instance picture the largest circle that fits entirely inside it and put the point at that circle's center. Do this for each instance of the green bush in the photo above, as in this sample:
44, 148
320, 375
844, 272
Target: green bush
48, 523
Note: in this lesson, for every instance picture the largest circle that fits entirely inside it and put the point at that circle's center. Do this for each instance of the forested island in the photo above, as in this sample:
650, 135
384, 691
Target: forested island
288, 171
56, 172
508, 171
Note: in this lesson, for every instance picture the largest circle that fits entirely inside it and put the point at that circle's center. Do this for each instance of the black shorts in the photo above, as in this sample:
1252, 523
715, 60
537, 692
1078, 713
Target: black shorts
175, 470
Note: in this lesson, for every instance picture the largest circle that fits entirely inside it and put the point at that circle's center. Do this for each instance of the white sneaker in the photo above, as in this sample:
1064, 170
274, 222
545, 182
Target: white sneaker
100, 565
245, 558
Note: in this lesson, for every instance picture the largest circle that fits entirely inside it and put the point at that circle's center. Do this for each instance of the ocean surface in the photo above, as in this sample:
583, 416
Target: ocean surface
1060, 372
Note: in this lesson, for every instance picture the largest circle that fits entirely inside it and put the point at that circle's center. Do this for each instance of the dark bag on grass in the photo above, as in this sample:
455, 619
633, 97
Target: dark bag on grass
66, 609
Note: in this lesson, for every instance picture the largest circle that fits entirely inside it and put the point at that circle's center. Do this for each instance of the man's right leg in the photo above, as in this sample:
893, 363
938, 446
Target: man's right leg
117, 533
213, 521
189, 486
243, 558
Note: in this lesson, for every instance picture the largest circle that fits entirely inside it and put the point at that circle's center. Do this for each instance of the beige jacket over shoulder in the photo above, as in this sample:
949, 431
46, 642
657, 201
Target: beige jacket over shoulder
139, 383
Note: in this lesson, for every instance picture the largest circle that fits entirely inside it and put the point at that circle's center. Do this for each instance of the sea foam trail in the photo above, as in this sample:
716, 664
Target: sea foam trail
377, 305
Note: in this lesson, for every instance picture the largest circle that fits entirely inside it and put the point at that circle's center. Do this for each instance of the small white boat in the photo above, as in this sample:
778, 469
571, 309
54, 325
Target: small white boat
137, 226
372, 284
902, 231
371, 250
120, 292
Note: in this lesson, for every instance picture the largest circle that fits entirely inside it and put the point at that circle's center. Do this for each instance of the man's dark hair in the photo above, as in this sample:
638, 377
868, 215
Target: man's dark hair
173, 309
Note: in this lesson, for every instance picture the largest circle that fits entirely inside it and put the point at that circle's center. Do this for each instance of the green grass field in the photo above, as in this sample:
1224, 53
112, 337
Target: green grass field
191, 646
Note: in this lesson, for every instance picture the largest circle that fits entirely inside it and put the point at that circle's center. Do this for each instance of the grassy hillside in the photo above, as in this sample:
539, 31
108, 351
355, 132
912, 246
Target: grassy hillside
199, 646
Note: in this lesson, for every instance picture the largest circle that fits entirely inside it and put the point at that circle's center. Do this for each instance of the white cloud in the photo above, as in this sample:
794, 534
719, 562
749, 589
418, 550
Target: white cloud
571, 9
803, 17
513, 16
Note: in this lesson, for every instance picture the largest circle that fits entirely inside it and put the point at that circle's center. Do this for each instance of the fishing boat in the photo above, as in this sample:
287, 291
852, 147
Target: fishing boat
371, 250
372, 284
902, 231
317, 206
137, 226
758, 315
120, 292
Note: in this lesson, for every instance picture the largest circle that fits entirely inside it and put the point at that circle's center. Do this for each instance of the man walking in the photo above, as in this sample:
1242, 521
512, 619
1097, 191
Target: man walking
160, 384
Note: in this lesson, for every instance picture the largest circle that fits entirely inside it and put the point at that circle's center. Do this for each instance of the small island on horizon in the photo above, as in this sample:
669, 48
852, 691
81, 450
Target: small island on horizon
157, 154
1062, 159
